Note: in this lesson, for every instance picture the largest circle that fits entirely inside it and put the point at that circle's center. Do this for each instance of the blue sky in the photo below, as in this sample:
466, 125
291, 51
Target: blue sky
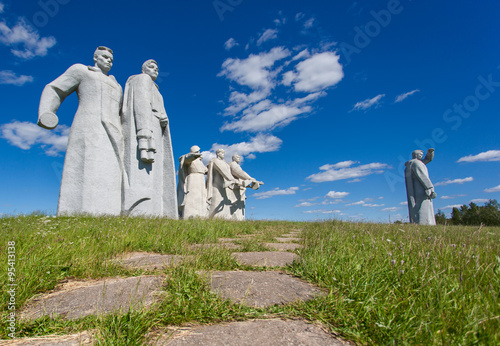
324, 100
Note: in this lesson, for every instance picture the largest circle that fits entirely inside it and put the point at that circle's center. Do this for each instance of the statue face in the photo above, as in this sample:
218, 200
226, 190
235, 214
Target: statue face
221, 154
237, 158
104, 60
152, 71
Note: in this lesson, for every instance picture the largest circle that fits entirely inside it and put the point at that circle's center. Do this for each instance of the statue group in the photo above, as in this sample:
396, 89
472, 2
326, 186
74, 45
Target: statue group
119, 158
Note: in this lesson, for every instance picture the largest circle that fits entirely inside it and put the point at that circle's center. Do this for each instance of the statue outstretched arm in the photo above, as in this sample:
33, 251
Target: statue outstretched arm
429, 156
54, 94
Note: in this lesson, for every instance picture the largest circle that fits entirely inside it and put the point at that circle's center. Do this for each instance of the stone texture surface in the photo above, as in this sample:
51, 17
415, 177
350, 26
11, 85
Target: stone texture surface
148, 260
228, 245
191, 190
265, 259
291, 235
282, 246
260, 289
274, 332
84, 338
287, 239
75, 300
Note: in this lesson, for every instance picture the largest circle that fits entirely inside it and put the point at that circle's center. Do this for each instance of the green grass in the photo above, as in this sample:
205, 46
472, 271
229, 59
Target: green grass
387, 284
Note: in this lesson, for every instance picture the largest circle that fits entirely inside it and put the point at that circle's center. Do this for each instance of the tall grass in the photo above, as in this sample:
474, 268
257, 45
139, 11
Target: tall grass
387, 284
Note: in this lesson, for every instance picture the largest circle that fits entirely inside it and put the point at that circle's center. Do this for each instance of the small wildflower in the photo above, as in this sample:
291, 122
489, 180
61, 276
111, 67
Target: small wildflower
388, 240
393, 262
402, 262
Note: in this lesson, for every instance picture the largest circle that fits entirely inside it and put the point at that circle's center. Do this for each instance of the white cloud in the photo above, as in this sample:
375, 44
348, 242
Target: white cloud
318, 72
391, 209
2, 6
490, 155
261, 143
276, 192
452, 206
455, 181
480, 200
25, 41
335, 194
305, 204
364, 203
230, 43
25, 134
402, 97
452, 197
10, 77
368, 103
322, 211
404, 203
309, 23
299, 16
269, 34
254, 71
493, 189
304, 54
344, 170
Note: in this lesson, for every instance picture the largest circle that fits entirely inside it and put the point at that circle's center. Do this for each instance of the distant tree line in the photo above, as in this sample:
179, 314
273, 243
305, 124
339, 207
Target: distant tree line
473, 215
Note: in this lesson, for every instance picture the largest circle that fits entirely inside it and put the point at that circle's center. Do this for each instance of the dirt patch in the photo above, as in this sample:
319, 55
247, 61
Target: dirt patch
284, 240
265, 259
261, 289
84, 338
252, 333
282, 246
75, 300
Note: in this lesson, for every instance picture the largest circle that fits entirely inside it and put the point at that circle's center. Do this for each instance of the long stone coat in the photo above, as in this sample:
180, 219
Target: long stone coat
220, 185
418, 185
150, 189
191, 191
92, 173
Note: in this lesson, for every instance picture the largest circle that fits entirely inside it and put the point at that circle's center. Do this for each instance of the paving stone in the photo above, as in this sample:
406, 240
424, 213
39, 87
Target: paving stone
229, 246
228, 240
265, 259
252, 333
291, 235
84, 338
284, 240
261, 289
79, 299
148, 260
282, 246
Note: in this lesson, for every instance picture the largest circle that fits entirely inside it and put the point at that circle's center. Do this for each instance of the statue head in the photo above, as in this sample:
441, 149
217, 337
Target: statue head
220, 153
195, 149
103, 59
417, 154
236, 158
150, 67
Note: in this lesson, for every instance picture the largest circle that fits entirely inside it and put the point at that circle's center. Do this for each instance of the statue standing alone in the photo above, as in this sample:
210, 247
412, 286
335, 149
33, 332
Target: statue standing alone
419, 189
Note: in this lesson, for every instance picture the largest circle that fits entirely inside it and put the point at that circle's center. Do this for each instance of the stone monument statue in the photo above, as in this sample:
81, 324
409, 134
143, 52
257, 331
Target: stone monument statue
191, 191
93, 170
149, 163
419, 189
243, 180
220, 185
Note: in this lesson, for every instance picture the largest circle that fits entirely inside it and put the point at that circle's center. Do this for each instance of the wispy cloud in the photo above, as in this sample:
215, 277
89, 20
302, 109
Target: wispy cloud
455, 181
493, 189
480, 200
452, 196
317, 72
276, 192
25, 135
322, 211
10, 77
305, 204
25, 41
452, 206
364, 203
490, 155
404, 203
2, 6
230, 43
391, 209
403, 96
269, 34
336, 194
345, 170
309, 23
368, 103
